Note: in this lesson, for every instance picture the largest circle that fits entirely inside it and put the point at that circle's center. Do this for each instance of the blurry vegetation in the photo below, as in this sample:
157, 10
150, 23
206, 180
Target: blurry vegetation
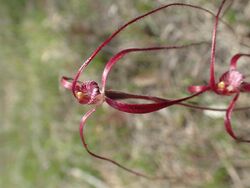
41, 40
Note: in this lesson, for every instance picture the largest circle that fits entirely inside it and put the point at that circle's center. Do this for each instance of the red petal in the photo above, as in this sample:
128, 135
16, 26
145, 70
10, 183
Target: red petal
234, 60
112, 61
228, 120
146, 107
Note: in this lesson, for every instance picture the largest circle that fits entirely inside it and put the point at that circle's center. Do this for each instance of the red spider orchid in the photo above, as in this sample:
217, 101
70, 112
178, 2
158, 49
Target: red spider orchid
230, 83
89, 92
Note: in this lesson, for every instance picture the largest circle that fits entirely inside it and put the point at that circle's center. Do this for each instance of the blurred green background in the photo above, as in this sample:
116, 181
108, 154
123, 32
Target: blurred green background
42, 40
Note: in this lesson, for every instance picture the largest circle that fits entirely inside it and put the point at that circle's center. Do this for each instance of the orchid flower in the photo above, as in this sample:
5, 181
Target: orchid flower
88, 92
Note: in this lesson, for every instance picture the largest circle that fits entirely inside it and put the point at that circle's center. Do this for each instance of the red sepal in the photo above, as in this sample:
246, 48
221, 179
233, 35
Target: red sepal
212, 60
228, 125
81, 130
